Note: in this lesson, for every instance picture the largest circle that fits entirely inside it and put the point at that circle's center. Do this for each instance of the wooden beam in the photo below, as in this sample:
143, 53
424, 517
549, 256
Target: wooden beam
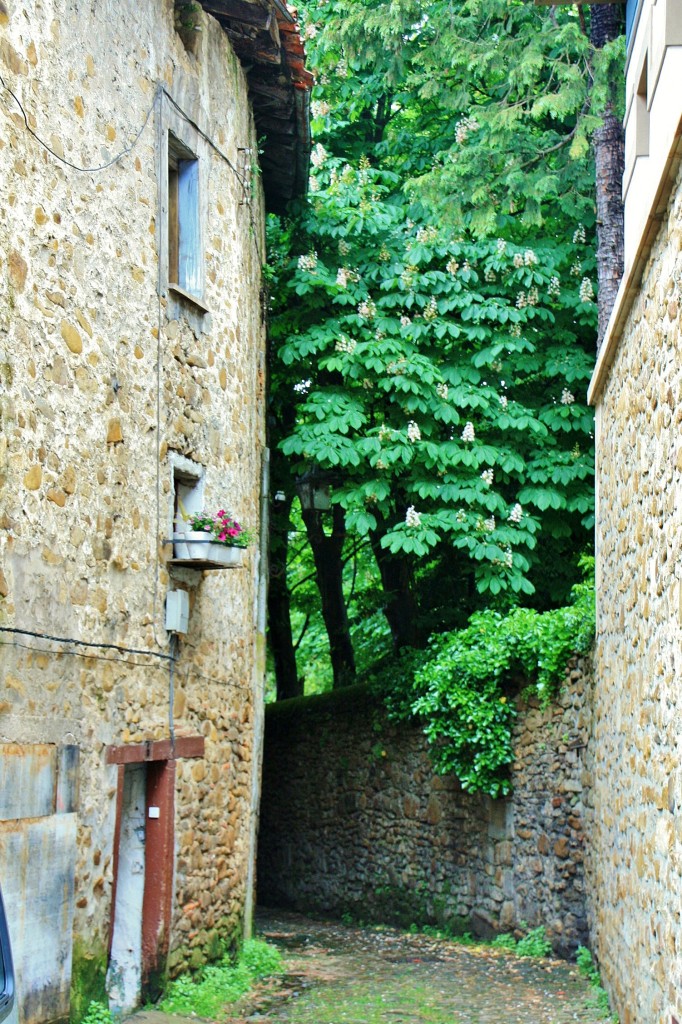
243, 10
156, 750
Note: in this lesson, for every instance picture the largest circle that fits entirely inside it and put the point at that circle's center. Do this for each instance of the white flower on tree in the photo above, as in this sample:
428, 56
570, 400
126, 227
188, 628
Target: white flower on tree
586, 290
318, 155
308, 262
412, 517
516, 514
367, 309
345, 345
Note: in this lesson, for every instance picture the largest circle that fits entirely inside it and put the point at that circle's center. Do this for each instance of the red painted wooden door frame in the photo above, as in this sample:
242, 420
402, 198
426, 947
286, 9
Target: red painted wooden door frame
158, 877
159, 862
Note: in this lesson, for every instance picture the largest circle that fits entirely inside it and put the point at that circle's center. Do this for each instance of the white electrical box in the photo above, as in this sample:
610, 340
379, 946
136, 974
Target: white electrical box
177, 611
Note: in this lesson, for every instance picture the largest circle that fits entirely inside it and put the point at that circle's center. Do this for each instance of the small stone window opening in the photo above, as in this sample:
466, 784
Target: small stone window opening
188, 492
184, 235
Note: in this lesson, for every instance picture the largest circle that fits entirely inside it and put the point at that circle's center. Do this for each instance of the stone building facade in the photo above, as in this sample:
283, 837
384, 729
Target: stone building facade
635, 849
132, 390
354, 820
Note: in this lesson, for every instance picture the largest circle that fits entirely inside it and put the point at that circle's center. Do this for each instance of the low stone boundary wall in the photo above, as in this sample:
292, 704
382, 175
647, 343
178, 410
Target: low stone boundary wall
354, 820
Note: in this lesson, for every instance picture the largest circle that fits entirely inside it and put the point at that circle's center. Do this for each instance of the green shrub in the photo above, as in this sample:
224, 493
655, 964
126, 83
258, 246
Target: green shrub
462, 686
97, 1013
535, 943
206, 992
260, 958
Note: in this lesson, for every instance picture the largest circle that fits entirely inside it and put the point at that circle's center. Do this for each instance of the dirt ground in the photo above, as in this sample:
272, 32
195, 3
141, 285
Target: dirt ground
346, 975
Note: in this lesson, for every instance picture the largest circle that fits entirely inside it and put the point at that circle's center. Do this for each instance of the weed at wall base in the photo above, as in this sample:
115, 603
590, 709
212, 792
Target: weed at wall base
589, 970
204, 993
88, 981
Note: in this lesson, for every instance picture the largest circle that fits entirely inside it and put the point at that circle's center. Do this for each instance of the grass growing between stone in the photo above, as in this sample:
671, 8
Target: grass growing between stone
534, 943
589, 970
366, 1002
205, 993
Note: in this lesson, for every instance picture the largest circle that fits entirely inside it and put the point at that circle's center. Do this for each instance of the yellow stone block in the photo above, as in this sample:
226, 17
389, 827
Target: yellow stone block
114, 432
33, 478
84, 322
56, 496
72, 337
51, 557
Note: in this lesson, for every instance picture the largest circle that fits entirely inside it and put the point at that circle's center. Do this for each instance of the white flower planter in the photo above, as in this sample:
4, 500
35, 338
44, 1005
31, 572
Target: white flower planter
183, 547
191, 546
225, 556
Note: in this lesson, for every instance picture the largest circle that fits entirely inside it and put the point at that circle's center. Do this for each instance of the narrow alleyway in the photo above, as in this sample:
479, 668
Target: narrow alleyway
341, 975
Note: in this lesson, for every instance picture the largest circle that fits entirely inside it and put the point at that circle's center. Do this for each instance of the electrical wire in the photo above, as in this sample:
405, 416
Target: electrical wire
159, 329
189, 673
171, 692
213, 679
84, 643
68, 163
243, 179
204, 136
160, 93
89, 655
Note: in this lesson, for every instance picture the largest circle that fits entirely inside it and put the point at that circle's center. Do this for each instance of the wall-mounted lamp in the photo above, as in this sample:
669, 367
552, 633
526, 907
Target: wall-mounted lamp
314, 491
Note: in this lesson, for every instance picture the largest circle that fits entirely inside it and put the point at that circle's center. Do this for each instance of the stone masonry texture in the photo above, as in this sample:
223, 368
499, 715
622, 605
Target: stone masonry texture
354, 820
635, 854
104, 380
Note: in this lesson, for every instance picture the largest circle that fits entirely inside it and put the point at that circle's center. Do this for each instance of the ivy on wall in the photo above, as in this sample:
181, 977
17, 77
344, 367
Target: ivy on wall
462, 688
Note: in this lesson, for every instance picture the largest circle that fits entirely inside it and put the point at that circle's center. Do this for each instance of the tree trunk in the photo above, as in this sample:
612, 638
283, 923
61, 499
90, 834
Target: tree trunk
328, 557
400, 607
279, 604
609, 148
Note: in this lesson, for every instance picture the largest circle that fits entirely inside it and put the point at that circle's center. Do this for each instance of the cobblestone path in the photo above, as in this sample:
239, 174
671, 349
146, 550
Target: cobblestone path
340, 975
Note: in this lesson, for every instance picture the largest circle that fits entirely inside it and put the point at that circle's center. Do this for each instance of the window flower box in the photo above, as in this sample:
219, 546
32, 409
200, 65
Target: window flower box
195, 549
210, 541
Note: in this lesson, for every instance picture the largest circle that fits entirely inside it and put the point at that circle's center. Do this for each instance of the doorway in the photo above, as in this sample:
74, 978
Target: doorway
124, 977
142, 895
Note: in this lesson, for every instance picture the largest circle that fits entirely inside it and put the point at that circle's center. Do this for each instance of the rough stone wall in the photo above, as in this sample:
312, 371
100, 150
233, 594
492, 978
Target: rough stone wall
635, 854
548, 809
353, 819
88, 348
